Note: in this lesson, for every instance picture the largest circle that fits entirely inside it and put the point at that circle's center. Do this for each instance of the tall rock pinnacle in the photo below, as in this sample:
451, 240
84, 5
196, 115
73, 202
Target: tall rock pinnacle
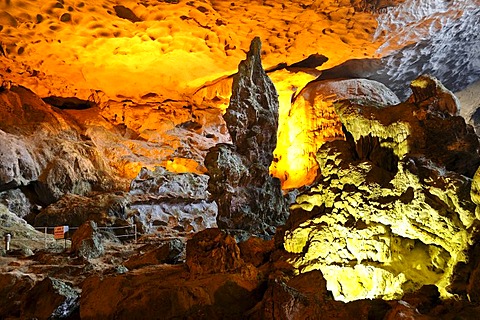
248, 197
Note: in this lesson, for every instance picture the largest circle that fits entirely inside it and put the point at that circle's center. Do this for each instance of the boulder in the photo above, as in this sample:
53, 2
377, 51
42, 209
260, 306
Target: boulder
171, 252
51, 299
248, 197
87, 241
14, 285
213, 251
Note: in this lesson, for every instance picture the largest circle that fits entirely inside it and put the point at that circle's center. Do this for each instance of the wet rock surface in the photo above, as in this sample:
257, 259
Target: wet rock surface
248, 197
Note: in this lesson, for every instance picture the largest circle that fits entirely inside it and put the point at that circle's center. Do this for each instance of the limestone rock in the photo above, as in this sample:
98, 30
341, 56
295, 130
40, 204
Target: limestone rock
16, 201
423, 300
75, 210
87, 241
248, 197
51, 299
252, 116
41, 149
312, 121
429, 92
17, 166
163, 183
391, 210
415, 127
13, 285
172, 200
213, 251
306, 297
256, 250
171, 252
291, 301
168, 293
19, 229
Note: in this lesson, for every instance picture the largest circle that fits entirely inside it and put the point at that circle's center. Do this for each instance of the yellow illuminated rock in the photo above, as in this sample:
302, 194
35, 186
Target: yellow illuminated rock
312, 120
386, 221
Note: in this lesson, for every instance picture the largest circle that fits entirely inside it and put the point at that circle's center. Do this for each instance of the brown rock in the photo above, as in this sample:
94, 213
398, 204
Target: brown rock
256, 250
87, 241
213, 251
50, 299
14, 285
168, 293
75, 210
170, 252
430, 93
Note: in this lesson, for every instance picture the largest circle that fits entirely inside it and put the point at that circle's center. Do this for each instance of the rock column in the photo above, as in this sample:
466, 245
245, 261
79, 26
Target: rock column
248, 197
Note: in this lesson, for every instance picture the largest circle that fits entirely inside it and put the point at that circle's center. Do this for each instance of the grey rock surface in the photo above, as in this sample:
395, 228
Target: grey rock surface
248, 197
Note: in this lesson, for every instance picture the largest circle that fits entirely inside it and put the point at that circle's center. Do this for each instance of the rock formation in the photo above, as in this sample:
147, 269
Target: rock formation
74, 210
312, 120
213, 251
248, 197
42, 155
391, 210
61, 303
87, 241
163, 201
171, 252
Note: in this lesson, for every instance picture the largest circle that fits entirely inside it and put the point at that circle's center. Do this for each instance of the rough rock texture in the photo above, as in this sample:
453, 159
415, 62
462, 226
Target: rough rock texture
87, 241
256, 250
163, 199
46, 152
168, 293
42, 152
469, 99
171, 252
16, 201
391, 210
51, 299
446, 39
416, 127
24, 236
14, 285
429, 93
312, 120
74, 210
248, 197
213, 251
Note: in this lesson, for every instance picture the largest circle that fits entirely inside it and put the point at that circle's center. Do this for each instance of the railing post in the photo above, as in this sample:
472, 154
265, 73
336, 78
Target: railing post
135, 230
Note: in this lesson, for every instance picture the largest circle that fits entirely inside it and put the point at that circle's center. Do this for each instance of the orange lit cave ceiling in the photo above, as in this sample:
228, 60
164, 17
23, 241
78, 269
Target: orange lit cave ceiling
133, 48
159, 72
